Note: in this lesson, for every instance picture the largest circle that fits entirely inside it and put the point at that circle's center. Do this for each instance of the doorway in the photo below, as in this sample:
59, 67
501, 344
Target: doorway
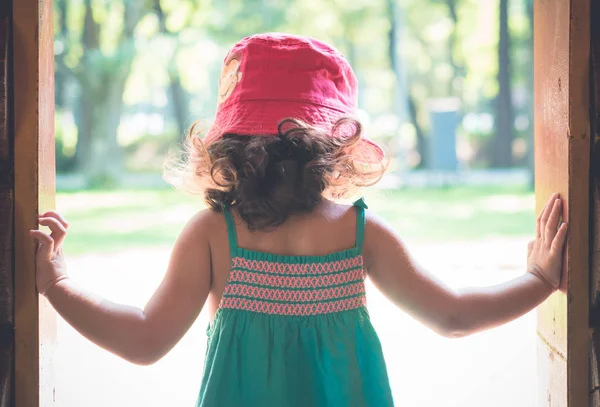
560, 91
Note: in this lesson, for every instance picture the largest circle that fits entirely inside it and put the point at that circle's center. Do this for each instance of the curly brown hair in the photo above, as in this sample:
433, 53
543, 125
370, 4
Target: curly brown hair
269, 178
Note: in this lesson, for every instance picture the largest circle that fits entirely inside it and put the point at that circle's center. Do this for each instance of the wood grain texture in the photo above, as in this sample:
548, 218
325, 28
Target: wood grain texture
595, 207
6, 185
551, 372
35, 321
595, 164
6, 364
595, 369
562, 153
6, 221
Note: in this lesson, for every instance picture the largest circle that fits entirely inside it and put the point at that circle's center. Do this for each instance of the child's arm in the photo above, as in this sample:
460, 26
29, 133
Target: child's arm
139, 336
456, 314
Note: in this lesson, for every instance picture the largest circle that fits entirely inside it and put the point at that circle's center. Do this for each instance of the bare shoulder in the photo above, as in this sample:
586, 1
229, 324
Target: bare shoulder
202, 226
206, 218
191, 255
379, 238
375, 227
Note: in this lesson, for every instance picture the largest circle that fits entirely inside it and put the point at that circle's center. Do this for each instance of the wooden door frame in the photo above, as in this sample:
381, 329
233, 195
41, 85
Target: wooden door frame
563, 327
34, 189
595, 206
562, 159
6, 217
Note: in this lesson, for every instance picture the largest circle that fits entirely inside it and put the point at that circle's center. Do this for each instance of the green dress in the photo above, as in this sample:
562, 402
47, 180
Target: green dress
294, 331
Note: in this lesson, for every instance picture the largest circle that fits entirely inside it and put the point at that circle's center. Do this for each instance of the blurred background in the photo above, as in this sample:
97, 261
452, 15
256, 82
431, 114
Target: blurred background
445, 85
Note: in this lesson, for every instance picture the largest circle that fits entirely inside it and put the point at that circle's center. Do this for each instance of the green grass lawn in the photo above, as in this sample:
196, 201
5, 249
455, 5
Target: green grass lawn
106, 221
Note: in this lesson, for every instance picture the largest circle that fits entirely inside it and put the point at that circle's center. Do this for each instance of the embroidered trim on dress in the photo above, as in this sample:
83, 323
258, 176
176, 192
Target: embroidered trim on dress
295, 289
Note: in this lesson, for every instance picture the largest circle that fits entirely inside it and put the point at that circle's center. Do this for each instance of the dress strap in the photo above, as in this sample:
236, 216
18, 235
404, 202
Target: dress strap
361, 219
231, 233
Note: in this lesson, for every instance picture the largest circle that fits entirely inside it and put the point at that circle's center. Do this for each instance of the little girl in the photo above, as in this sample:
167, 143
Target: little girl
280, 265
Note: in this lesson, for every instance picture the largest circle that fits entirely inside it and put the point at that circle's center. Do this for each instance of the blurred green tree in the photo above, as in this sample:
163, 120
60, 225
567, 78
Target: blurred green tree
502, 154
124, 63
97, 52
179, 97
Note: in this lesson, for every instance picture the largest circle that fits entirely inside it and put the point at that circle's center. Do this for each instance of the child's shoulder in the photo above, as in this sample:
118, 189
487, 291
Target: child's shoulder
375, 228
204, 224
206, 218
349, 210
211, 221
379, 235
336, 210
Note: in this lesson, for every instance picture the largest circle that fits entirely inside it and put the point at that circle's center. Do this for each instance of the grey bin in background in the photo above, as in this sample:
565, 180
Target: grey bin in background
444, 116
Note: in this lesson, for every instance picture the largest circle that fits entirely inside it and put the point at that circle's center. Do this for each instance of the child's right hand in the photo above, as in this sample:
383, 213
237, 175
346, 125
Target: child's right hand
50, 263
545, 253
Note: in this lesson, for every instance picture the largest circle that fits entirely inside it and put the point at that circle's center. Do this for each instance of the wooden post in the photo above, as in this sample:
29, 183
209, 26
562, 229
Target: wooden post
595, 209
562, 152
35, 321
6, 219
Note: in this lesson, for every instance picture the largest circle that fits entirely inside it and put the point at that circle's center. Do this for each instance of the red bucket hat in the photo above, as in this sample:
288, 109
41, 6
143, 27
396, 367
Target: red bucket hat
267, 78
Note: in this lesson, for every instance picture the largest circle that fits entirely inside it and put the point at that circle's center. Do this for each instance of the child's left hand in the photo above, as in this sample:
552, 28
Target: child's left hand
50, 263
545, 253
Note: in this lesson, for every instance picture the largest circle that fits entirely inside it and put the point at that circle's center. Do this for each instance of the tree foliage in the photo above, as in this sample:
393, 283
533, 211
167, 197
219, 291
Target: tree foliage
132, 70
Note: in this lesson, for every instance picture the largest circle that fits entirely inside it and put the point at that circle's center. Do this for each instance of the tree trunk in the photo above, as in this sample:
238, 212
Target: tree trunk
422, 146
351, 52
61, 74
404, 104
103, 163
502, 142
84, 109
83, 112
400, 97
179, 101
456, 69
102, 80
179, 98
530, 145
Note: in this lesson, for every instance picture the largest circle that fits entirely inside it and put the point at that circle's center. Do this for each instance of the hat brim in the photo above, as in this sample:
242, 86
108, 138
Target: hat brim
262, 118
